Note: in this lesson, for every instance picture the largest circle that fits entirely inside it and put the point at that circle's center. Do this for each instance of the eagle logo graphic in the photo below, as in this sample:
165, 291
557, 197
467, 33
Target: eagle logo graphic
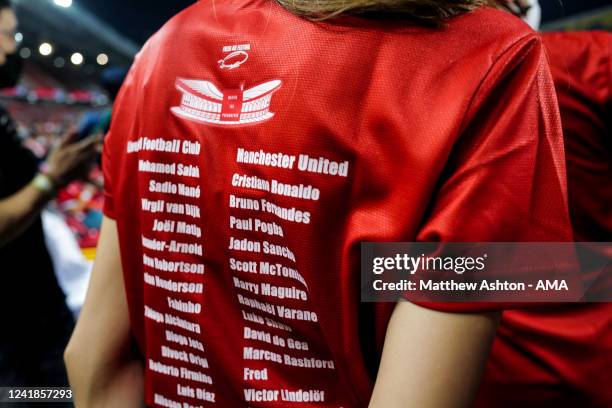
203, 102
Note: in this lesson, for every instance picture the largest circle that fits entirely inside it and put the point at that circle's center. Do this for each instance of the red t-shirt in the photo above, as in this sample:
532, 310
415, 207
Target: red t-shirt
562, 357
252, 151
581, 64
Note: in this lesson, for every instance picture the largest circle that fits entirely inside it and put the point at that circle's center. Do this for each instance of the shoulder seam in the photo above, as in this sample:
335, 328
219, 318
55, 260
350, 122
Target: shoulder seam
488, 74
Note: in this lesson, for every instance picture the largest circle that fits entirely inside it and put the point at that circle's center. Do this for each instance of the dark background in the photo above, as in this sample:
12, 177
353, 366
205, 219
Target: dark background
138, 19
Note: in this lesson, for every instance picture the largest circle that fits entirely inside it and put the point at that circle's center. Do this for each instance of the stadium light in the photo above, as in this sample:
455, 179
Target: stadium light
25, 53
77, 58
102, 59
18, 37
59, 62
45, 49
63, 3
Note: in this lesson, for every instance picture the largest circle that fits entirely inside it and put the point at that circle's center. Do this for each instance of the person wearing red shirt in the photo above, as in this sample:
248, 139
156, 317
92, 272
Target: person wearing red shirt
253, 151
562, 356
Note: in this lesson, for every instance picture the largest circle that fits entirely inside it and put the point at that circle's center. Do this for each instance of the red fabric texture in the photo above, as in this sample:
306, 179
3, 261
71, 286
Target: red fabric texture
562, 356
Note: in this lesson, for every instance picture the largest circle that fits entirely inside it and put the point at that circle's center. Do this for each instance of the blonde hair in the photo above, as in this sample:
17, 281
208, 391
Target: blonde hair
428, 12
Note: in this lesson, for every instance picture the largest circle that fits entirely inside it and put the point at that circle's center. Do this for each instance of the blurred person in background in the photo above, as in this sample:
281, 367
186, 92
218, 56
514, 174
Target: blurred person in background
36, 322
562, 356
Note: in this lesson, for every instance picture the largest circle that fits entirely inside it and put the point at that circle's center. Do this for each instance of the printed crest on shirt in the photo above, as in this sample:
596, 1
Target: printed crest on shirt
203, 102
236, 55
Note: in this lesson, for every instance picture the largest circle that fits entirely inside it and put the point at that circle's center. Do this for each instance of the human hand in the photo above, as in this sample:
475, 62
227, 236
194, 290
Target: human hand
71, 159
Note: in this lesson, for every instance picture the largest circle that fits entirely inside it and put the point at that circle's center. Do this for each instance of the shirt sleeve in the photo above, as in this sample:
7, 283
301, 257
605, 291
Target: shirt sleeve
109, 205
505, 178
607, 41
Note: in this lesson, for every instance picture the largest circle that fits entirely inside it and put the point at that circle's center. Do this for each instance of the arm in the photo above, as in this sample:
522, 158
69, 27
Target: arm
18, 211
102, 367
69, 161
432, 359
